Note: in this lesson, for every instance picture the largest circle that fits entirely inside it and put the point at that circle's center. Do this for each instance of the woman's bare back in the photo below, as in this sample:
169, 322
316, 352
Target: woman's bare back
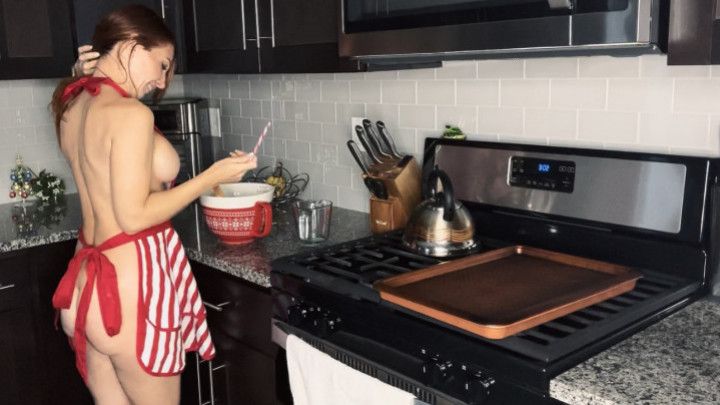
85, 136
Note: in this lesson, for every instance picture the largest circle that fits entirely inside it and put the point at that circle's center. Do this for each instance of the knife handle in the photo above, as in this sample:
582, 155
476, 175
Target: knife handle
375, 140
362, 136
385, 135
355, 152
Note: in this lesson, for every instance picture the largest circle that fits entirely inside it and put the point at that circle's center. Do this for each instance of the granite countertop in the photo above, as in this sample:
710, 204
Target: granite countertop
28, 226
675, 361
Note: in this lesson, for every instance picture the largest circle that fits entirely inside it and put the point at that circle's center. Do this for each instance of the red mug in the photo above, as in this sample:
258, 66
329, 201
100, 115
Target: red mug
238, 226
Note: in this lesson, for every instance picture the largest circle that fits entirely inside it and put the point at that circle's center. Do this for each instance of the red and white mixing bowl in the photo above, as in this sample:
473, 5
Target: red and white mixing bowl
241, 214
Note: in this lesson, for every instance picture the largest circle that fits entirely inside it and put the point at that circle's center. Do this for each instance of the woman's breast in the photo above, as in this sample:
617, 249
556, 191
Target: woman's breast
166, 162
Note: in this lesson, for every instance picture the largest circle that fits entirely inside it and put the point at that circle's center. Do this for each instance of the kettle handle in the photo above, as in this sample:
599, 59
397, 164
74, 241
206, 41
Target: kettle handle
448, 195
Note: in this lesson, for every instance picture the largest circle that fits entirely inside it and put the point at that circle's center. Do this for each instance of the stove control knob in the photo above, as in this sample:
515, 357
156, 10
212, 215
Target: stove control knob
296, 314
477, 388
437, 371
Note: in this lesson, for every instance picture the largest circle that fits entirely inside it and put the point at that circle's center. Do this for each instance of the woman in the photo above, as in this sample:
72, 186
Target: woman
128, 301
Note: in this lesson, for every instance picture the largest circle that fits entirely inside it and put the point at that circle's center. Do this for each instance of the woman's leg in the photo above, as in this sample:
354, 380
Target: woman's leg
102, 379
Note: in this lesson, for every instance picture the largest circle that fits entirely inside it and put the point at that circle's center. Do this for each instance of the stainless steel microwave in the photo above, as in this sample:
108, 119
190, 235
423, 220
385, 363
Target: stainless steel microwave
456, 29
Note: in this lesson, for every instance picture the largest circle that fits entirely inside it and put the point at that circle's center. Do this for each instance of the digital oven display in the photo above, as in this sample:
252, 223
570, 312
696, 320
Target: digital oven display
543, 174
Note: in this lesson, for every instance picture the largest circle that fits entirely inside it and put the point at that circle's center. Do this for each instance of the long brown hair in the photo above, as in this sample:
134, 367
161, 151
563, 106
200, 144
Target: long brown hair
130, 23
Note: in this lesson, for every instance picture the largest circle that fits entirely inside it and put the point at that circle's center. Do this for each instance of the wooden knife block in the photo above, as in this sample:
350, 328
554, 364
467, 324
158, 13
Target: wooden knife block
402, 182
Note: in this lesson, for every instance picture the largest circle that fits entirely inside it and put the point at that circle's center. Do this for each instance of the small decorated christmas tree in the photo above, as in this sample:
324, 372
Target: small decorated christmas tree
21, 177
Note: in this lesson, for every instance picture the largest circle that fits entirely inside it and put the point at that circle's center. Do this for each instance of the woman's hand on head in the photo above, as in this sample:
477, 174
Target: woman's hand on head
86, 62
233, 168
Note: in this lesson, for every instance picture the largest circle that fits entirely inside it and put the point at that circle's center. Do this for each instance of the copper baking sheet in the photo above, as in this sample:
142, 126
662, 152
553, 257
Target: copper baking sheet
505, 291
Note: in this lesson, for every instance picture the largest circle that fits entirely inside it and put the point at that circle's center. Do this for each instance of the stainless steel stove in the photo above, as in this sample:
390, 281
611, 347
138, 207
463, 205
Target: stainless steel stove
651, 212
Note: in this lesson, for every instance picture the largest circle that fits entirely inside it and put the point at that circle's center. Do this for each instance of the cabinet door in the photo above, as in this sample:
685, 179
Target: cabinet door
61, 379
35, 39
18, 349
301, 37
221, 36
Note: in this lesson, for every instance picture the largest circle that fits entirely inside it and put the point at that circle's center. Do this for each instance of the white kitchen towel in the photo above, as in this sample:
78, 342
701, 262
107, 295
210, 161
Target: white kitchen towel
318, 379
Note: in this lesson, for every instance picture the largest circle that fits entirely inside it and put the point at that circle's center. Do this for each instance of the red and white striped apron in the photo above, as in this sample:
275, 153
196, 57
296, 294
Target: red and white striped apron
170, 316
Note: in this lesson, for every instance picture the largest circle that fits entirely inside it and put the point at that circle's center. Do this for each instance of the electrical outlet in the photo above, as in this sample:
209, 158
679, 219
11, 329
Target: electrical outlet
354, 121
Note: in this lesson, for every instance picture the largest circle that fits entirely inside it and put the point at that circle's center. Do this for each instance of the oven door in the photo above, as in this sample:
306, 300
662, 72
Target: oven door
426, 29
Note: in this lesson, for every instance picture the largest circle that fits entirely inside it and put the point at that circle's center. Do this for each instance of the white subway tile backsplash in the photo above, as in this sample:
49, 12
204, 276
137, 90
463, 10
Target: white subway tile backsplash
647, 95
697, 95
308, 90
457, 70
436, 92
398, 91
296, 110
417, 116
583, 93
506, 120
634, 103
608, 126
674, 130
563, 68
365, 91
339, 175
500, 69
283, 90
21, 96
464, 117
336, 91
230, 107
260, 89
354, 199
309, 132
416, 74
239, 89
524, 93
608, 66
656, 66
388, 113
322, 112
547, 123
298, 150
251, 108
324, 153
478, 92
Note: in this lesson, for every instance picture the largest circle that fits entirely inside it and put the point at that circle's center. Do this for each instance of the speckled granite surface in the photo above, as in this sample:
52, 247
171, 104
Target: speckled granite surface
676, 361
32, 226
252, 262
22, 228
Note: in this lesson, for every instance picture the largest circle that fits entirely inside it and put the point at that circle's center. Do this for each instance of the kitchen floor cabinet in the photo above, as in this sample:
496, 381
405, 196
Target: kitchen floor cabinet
36, 363
248, 368
35, 39
263, 36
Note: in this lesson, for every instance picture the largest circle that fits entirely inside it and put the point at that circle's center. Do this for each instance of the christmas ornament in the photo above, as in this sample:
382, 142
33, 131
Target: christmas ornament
21, 177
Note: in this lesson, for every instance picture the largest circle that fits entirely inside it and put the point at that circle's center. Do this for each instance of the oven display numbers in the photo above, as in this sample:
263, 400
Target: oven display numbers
542, 174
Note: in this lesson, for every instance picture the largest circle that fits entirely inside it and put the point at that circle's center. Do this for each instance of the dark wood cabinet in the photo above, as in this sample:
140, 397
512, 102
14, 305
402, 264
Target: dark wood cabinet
248, 368
694, 32
36, 363
87, 13
35, 39
263, 36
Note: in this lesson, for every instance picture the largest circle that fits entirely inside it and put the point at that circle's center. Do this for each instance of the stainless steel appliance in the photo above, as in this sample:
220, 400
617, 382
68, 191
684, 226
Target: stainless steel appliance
651, 212
193, 128
392, 31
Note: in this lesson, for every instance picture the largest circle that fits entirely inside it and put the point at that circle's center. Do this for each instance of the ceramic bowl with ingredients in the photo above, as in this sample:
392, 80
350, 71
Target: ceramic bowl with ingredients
238, 213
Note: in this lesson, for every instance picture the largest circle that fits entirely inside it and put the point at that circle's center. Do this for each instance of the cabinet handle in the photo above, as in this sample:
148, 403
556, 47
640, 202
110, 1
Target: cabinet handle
6, 287
242, 6
257, 25
218, 307
195, 26
272, 22
162, 8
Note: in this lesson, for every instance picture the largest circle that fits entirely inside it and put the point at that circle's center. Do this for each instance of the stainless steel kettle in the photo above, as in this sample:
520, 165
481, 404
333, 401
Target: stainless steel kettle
440, 226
